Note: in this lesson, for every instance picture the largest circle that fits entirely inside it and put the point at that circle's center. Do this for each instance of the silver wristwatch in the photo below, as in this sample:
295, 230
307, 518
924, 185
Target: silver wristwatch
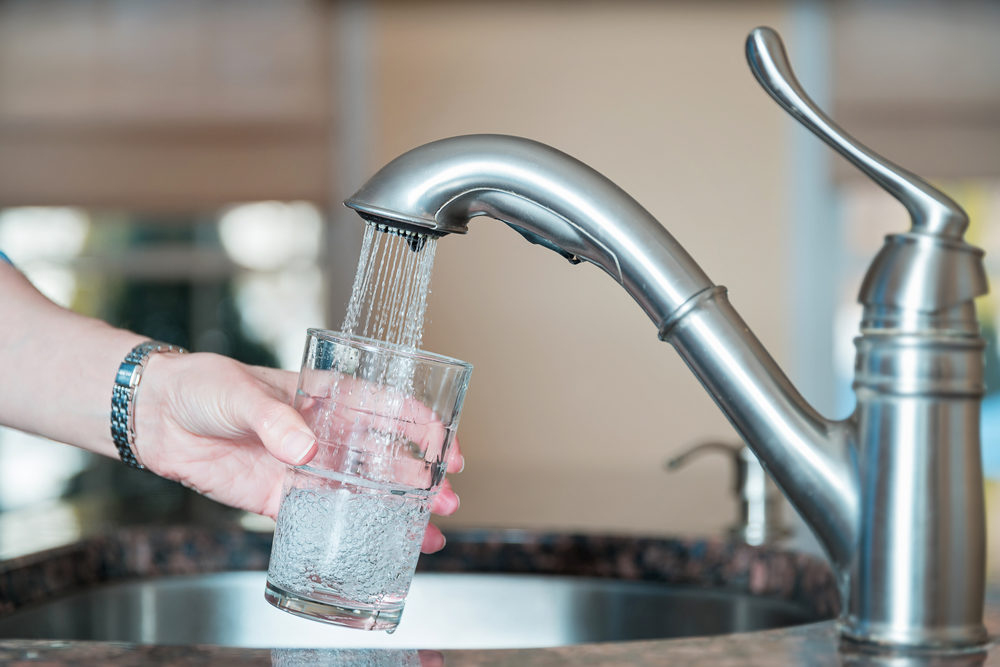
123, 398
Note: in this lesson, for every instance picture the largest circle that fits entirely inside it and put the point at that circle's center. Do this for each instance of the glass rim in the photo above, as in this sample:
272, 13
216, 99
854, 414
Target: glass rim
374, 344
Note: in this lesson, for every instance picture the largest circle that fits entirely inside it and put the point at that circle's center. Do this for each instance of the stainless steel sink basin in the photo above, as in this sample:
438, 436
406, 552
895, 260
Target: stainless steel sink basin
443, 611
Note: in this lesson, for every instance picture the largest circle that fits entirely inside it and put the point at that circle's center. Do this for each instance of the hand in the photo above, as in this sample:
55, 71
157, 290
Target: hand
228, 430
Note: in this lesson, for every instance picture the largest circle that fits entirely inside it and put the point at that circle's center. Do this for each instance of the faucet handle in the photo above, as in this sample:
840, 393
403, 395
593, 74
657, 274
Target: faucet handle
925, 278
931, 210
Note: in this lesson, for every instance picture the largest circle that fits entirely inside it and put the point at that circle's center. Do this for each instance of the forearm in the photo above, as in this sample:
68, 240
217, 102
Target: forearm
58, 367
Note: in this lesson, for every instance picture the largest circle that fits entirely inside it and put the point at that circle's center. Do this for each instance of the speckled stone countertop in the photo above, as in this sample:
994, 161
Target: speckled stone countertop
140, 552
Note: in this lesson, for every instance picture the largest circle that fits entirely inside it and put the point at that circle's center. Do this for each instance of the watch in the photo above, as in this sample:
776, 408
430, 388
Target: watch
123, 397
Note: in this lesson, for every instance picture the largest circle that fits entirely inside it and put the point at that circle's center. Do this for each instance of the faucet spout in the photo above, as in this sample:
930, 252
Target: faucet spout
557, 201
545, 195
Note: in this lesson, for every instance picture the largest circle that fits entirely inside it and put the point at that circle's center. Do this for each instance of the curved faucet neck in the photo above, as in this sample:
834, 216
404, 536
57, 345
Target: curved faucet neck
559, 202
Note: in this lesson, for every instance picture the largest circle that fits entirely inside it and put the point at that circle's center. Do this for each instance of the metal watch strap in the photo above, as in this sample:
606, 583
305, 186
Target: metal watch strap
123, 397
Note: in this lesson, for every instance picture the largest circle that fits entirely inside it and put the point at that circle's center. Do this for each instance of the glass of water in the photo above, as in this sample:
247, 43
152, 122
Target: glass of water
352, 520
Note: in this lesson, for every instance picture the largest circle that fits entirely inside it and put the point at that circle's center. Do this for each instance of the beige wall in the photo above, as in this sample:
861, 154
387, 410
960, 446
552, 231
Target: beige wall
575, 405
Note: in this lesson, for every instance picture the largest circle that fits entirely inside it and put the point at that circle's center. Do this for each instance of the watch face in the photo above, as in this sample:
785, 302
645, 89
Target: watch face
126, 372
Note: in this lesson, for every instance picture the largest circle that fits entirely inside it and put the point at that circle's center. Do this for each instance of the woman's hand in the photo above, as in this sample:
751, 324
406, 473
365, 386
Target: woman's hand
222, 428
228, 430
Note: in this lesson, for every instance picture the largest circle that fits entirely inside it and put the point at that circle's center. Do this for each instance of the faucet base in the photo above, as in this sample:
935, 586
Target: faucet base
882, 638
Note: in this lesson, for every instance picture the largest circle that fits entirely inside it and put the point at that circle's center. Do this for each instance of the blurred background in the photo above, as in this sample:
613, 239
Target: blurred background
178, 167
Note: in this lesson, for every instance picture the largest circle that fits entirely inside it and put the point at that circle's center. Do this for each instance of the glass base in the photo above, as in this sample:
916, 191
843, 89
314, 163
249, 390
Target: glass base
332, 612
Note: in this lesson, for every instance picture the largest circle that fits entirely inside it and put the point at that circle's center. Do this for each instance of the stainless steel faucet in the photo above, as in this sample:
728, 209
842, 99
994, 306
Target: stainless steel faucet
894, 492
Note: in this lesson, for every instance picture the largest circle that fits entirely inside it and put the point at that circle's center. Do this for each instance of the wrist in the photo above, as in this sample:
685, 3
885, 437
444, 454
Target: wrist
125, 397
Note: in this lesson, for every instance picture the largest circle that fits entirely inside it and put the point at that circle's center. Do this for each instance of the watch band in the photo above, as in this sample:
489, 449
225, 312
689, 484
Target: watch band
123, 397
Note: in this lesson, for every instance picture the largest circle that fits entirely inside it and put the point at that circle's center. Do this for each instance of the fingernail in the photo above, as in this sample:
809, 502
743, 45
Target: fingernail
461, 464
433, 545
297, 446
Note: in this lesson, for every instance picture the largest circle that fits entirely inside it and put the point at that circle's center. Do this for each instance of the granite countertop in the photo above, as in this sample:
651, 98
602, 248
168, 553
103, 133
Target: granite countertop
138, 552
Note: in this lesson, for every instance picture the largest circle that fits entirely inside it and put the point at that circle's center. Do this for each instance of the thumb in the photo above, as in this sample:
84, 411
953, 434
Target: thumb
281, 430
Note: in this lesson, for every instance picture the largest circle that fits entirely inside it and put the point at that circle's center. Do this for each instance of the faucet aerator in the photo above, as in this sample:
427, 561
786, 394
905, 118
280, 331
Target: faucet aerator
415, 237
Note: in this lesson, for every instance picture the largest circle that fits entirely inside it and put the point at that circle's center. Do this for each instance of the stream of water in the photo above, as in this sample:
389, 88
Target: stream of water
389, 298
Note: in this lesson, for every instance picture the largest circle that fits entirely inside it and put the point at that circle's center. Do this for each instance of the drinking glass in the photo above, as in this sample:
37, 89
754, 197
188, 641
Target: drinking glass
352, 520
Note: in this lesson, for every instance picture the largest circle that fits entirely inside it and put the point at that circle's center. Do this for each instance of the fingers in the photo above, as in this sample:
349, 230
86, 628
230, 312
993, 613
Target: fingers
433, 540
446, 501
398, 412
456, 461
282, 430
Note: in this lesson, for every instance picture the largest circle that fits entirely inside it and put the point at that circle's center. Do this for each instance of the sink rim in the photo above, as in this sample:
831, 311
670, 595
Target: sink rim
716, 563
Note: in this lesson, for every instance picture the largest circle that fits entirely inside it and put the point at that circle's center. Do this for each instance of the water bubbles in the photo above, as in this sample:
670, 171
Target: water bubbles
349, 542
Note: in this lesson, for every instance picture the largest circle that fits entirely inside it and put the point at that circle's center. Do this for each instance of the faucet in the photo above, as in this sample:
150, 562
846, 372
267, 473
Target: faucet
893, 492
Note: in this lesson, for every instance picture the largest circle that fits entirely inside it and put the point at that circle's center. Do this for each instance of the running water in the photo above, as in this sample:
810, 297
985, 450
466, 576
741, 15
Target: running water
388, 303
389, 300
389, 297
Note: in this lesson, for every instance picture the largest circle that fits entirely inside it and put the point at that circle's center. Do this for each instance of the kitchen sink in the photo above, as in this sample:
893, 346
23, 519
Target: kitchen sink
443, 611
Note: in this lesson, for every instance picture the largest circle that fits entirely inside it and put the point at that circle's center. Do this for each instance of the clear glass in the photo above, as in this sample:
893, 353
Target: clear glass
352, 520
